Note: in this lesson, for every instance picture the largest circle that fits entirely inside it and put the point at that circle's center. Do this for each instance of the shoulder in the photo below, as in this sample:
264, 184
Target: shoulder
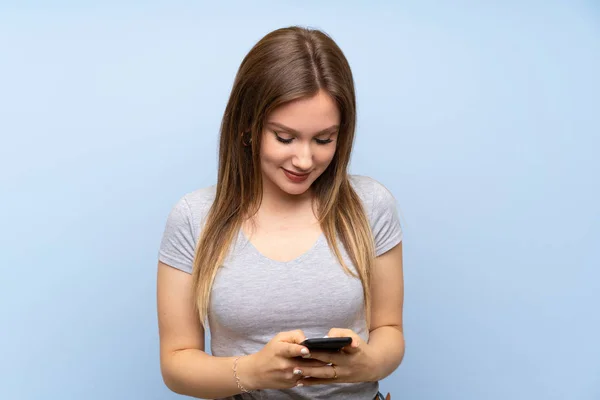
192, 208
381, 210
200, 200
373, 194
182, 229
362, 183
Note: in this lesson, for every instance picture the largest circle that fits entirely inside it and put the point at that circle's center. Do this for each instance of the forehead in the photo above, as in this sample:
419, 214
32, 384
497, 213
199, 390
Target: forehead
309, 114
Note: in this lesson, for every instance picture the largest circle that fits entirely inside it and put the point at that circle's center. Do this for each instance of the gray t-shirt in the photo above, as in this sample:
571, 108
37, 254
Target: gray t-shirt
254, 297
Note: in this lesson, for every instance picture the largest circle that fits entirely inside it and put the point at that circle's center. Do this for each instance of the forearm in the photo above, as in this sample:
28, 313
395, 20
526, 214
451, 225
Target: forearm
388, 345
194, 373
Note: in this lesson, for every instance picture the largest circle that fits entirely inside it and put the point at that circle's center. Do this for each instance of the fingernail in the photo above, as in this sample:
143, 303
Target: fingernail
299, 384
305, 351
306, 356
297, 371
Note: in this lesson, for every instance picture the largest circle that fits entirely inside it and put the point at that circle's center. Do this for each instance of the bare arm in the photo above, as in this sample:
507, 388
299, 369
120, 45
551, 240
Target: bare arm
387, 288
188, 370
185, 367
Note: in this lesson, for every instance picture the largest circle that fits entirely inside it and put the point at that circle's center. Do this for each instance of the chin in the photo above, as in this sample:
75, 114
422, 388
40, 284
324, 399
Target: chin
294, 189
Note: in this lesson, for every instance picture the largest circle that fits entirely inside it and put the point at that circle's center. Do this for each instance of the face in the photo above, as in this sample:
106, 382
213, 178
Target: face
298, 143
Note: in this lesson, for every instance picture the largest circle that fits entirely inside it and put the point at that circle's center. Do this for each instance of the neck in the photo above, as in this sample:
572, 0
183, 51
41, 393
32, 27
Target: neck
277, 202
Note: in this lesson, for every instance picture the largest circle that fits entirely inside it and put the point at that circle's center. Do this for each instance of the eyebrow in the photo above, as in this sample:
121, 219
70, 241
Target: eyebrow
295, 132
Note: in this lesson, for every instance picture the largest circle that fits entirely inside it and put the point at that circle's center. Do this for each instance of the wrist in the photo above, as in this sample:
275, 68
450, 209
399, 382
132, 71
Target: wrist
375, 370
245, 377
387, 345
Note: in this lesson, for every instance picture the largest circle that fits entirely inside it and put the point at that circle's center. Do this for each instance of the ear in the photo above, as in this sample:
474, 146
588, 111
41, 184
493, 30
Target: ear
246, 138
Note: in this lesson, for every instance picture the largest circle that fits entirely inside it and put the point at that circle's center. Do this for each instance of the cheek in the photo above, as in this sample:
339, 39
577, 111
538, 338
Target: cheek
271, 153
266, 151
325, 155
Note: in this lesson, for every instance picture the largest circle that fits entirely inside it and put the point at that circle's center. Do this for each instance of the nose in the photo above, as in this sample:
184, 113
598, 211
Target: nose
303, 158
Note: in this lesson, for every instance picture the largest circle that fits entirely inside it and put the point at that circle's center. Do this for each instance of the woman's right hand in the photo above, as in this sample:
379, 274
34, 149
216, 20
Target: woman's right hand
274, 365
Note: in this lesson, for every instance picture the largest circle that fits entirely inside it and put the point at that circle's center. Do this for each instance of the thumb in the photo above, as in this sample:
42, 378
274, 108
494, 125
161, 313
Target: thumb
293, 347
353, 347
296, 336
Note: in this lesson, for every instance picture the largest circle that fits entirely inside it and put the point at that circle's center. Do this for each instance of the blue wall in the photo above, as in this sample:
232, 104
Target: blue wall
481, 117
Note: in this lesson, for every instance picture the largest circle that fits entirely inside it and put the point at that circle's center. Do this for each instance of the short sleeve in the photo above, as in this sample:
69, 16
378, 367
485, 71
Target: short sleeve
386, 227
178, 244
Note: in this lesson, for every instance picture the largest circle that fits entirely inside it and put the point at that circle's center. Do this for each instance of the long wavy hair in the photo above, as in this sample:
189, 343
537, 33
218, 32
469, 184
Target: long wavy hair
285, 65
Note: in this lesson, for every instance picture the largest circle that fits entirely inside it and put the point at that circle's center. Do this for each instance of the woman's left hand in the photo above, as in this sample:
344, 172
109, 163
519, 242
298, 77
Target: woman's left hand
354, 363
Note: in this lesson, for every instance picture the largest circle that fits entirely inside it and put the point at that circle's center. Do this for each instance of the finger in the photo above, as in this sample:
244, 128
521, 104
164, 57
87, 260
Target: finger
328, 357
291, 344
325, 372
292, 350
303, 368
296, 336
339, 332
306, 363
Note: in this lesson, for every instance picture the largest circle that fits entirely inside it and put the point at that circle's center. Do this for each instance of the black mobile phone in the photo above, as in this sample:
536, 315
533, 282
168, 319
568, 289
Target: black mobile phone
327, 344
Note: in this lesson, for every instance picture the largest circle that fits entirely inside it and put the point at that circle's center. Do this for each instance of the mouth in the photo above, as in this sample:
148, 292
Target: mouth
294, 176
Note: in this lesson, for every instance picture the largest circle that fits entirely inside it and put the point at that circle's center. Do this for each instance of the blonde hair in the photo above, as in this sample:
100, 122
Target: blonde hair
286, 64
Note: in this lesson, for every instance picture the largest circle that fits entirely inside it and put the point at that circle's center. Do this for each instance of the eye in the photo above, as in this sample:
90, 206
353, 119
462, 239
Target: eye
282, 140
323, 141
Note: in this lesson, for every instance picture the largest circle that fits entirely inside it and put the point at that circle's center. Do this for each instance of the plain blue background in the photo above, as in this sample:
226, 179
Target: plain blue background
480, 117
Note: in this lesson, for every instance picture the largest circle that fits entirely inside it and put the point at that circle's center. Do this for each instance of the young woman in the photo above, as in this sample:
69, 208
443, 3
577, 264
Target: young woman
286, 246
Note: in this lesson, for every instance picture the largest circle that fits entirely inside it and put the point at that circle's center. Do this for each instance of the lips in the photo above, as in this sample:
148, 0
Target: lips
295, 177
